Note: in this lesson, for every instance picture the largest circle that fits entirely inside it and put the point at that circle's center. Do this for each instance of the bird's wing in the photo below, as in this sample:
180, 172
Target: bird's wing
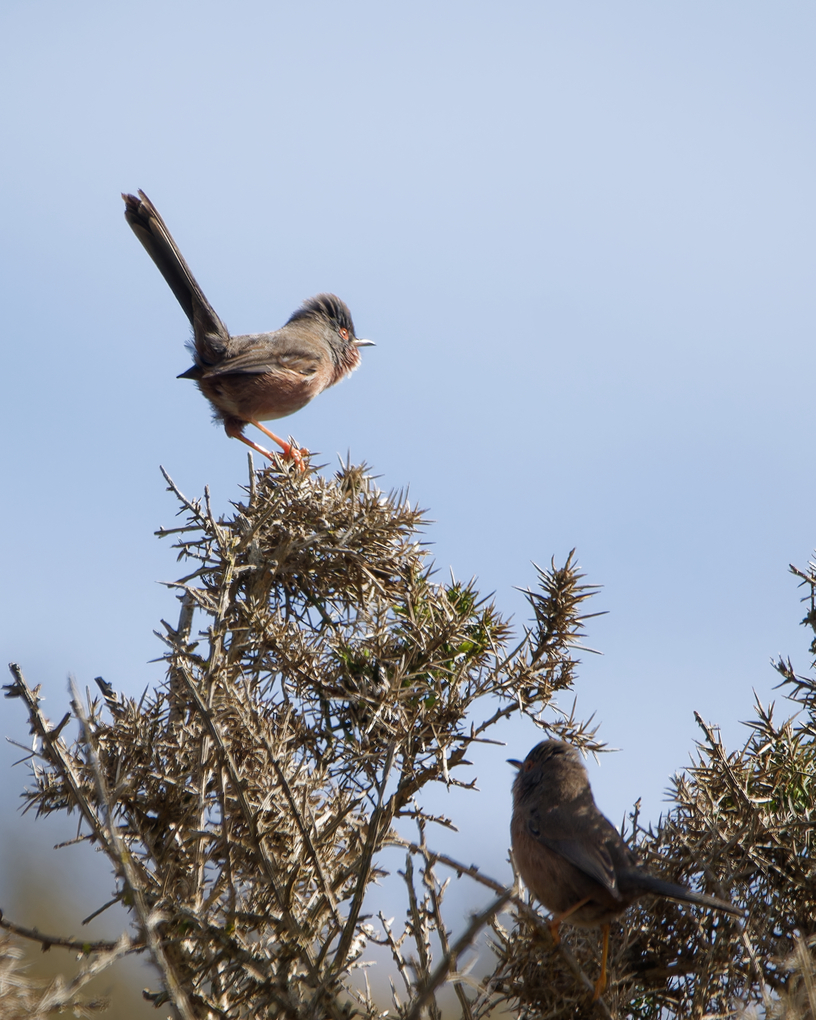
588, 848
261, 357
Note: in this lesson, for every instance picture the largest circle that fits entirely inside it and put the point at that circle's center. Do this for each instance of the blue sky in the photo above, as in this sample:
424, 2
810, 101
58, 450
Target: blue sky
580, 234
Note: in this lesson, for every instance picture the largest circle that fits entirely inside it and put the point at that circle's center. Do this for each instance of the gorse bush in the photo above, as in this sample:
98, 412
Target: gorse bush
318, 680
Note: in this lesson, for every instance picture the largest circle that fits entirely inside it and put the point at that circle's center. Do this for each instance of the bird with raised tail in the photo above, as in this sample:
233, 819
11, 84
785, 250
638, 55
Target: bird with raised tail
261, 376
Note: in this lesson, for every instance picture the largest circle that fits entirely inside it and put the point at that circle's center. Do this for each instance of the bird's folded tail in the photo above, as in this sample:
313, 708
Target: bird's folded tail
158, 242
644, 883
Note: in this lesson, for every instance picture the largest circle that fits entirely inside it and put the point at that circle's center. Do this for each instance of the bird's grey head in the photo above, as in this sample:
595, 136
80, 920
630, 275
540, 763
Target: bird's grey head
549, 757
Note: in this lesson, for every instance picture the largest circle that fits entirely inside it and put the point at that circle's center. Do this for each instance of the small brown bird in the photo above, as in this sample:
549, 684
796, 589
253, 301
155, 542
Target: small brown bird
570, 856
262, 376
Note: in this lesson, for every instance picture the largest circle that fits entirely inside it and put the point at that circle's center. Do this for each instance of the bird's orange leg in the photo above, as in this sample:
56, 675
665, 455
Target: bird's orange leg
555, 923
289, 452
255, 447
600, 984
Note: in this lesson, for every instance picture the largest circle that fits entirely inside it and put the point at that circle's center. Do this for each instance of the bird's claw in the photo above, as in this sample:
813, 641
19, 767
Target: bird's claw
298, 455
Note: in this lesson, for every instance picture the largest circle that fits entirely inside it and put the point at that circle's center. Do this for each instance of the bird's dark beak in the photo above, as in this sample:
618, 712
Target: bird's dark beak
512, 761
363, 343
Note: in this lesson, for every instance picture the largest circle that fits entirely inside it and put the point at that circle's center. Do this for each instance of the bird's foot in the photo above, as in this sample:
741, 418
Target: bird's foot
290, 452
297, 454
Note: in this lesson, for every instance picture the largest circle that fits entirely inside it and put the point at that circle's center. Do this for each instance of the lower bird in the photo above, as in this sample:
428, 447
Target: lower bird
570, 857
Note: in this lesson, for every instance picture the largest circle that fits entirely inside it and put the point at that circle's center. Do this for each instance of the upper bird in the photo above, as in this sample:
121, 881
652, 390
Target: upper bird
570, 856
261, 376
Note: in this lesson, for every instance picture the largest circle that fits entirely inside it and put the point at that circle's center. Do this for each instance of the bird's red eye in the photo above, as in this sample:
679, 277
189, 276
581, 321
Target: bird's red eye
344, 333
528, 766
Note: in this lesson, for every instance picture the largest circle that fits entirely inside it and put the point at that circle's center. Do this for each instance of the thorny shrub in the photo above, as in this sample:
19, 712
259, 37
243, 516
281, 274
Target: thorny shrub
245, 803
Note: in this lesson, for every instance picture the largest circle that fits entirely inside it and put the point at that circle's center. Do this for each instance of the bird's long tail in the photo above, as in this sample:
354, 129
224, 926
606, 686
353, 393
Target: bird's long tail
158, 242
649, 884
